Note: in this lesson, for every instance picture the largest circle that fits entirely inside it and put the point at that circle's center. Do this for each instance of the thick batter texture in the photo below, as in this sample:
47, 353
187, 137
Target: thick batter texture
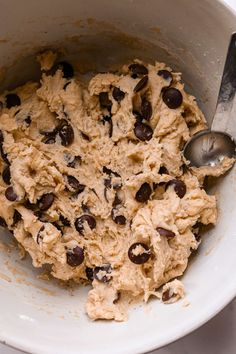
94, 183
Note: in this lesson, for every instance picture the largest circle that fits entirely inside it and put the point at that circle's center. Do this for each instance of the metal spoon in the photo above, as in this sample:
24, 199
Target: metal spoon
209, 147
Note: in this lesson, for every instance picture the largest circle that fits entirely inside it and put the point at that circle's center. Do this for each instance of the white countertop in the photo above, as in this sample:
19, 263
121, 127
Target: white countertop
218, 336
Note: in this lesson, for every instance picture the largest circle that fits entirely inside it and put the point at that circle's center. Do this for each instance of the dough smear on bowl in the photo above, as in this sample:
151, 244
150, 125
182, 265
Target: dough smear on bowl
94, 183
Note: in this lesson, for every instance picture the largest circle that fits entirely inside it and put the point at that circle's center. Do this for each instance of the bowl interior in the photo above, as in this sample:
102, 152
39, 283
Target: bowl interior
40, 315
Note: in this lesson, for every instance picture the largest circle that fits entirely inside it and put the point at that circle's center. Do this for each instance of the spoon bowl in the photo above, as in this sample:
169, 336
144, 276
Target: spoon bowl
209, 148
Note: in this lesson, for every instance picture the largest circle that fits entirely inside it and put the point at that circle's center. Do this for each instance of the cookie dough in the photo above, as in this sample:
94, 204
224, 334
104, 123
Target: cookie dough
94, 183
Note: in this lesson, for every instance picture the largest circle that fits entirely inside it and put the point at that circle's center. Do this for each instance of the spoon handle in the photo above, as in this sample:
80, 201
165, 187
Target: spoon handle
226, 98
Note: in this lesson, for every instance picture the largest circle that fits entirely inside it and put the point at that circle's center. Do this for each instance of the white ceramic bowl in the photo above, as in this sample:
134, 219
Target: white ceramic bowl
191, 36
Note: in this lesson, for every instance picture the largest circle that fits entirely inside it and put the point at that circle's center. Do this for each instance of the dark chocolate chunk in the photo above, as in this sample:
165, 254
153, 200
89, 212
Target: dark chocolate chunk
109, 172
104, 100
46, 201
6, 175
3, 154
89, 273
75, 185
144, 193
107, 182
163, 171
75, 257
76, 161
141, 84
117, 201
166, 75
179, 187
85, 136
16, 217
66, 85
146, 109
166, 295
172, 97
40, 236
50, 140
140, 257
10, 194
143, 131
64, 220
28, 120
110, 132
117, 94
99, 273
137, 116
67, 69
66, 134
79, 223
118, 219
137, 69
165, 233
12, 100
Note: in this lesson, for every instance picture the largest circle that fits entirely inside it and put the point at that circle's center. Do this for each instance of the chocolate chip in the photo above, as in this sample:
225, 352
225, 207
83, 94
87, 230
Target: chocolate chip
12, 100
107, 182
109, 172
76, 161
64, 220
79, 223
66, 85
118, 219
89, 273
16, 217
141, 84
85, 136
75, 185
179, 187
144, 193
2, 222
106, 119
6, 175
172, 97
66, 134
163, 171
50, 140
197, 228
67, 69
46, 201
165, 233
117, 201
40, 236
146, 109
3, 154
137, 69
110, 128
104, 100
28, 120
117, 94
57, 226
30, 206
166, 75
10, 194
143, 131
137, 116
75, 257
166, 295
139, 257
99, 273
